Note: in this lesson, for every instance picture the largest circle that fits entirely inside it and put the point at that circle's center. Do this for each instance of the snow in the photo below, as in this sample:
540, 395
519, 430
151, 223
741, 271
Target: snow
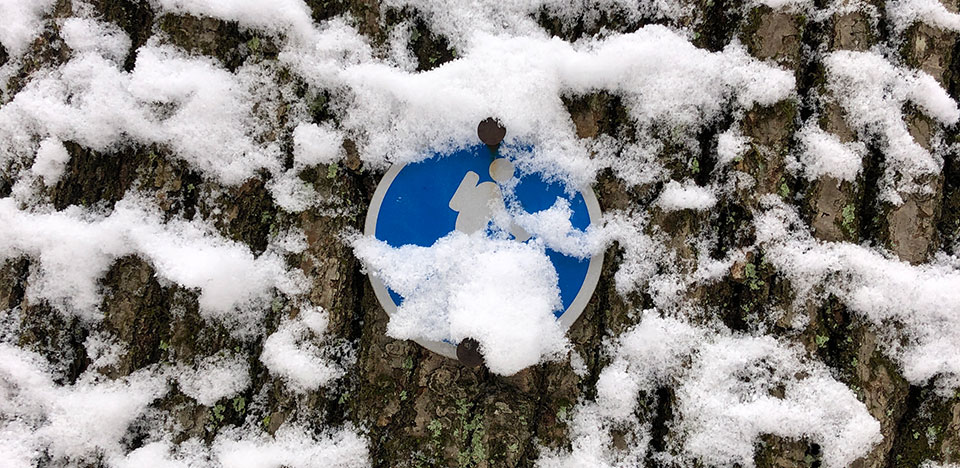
787, 5
457, 20
22, 22
74, 421
923, 300
553, 227
400, 114
687, 196
74, 249
87, 35
293, 446
292, 352
291, 193
497, 291
203, 112
316, 144
89, 420
933, 464
214, 378
103, 350
731, 145
904, 13
278, 17
726, 398
730, 401
823, 154
873, 92
51, 160
640, 250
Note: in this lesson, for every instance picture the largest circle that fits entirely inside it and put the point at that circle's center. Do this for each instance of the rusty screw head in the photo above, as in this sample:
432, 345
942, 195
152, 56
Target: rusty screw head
468, 353
491, 131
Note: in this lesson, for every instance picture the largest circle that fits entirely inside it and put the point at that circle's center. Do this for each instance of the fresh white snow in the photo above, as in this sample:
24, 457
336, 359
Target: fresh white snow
873, 92
496, 291
75, 249
22, 22
823, 154
292, 352
687, 196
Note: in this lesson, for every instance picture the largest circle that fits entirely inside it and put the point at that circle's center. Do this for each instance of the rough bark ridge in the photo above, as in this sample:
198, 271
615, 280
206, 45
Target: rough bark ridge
420, 409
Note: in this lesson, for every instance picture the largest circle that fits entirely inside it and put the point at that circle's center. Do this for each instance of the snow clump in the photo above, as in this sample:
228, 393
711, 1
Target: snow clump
873, 92
730, 390
214, 378
75, 421
688, 196
823, 154
74, 249
922, 300
500, 292
22, 22
292, 353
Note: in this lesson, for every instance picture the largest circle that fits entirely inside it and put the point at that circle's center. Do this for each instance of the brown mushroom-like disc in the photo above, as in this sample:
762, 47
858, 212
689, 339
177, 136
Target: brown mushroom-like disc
491, 132
468, 353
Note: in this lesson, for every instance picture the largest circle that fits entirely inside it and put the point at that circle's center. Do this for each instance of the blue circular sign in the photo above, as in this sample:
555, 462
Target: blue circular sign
419, 203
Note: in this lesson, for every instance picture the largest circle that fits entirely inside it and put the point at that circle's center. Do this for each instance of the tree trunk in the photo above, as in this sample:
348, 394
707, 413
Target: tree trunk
420, 409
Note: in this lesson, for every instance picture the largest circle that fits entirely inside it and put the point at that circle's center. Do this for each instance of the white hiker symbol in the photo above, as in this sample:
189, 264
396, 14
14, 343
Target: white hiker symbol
477, 204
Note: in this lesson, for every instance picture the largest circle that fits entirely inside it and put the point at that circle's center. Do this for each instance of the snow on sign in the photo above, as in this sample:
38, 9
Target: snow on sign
419, 203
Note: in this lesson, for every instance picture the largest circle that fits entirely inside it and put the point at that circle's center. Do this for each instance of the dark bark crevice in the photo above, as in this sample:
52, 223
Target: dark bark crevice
134, 17
720, 21
574, 29
872, 221
660, 424
899, 456
530, 450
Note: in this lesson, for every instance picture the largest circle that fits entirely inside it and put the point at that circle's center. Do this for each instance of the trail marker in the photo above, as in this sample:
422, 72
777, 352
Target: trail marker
421, 202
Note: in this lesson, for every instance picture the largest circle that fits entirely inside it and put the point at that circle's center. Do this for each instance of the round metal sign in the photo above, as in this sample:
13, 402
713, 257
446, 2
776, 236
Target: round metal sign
422, 202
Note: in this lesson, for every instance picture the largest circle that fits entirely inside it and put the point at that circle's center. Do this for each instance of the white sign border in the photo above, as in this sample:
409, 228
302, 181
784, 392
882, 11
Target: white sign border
568, 317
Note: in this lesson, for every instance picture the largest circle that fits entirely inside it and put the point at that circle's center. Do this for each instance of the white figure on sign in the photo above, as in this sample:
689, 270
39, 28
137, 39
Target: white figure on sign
477, 204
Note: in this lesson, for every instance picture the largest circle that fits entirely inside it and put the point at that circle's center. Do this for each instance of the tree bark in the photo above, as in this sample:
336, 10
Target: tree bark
421, 409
